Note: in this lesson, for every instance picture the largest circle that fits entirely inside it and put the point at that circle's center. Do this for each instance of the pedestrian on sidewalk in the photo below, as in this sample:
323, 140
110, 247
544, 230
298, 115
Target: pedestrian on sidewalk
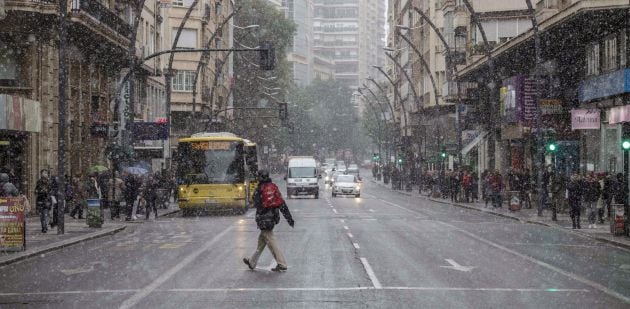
607, 192
79, 198
7, 188
54, 197
130, 193
496, 187
149, 195
557, 190
467, 185
117, 186
485, 187
574, 191
592, 193
601, 202
268, 203
454, 185
42, 199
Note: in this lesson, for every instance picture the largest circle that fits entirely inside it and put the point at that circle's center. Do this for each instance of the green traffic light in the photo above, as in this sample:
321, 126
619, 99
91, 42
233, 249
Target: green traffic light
552, 147
443, 154
625, 145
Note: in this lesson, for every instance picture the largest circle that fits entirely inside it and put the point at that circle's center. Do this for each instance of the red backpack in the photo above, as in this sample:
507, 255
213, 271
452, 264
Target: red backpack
270, 196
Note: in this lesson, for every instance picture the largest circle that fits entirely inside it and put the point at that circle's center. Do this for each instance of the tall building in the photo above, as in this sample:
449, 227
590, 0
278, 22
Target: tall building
211, 92
300, 51
352, 33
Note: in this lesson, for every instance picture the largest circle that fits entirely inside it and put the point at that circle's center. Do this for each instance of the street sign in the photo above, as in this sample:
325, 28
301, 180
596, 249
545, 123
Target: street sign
12, 224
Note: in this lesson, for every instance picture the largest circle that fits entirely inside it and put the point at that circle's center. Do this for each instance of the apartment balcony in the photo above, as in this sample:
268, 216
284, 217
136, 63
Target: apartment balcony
95, 14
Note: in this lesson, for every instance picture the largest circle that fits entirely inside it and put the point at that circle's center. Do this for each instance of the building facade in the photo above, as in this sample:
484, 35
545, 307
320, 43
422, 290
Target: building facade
352, 33
29, 84
206, 92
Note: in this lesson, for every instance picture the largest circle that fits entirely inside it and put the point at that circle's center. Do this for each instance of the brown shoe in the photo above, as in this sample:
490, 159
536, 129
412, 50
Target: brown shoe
246, 261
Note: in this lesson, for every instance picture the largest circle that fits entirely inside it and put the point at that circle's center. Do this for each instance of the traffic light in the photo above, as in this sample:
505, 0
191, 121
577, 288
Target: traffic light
376, 157
625, 144
443, 154
551, 146
400, 160
267, 55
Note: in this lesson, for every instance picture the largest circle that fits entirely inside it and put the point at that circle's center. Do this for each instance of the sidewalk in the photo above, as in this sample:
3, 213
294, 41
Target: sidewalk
602, 232
76, 231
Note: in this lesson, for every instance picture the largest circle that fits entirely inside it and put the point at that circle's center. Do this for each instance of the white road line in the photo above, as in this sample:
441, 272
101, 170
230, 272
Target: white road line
593, 284
350, 235
144, 292
346, 227
371, 210
342, 220
371, 274
67, 292
311, 289
356, 246
335, 210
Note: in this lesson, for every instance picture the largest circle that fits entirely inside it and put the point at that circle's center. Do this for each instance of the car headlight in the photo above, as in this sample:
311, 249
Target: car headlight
358, 188
327, 178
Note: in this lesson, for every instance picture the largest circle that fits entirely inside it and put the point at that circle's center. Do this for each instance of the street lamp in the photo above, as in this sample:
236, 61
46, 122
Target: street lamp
245, 27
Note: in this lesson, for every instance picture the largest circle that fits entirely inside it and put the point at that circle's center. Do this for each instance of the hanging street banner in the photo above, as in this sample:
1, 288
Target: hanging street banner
12, 224
585, 119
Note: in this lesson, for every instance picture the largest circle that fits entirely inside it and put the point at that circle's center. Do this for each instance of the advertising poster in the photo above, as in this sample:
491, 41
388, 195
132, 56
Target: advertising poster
12, 224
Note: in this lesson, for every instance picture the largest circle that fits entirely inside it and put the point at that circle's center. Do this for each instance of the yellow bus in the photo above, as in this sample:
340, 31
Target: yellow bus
213, 173
251, 159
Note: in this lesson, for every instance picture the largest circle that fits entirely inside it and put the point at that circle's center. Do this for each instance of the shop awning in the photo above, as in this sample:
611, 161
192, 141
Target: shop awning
474, 143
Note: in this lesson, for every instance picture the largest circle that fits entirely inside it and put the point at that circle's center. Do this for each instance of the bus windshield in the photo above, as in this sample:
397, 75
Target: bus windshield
302, 172
210, 163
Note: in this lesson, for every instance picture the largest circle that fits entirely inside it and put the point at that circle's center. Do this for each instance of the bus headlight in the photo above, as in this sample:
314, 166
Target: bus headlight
240, 188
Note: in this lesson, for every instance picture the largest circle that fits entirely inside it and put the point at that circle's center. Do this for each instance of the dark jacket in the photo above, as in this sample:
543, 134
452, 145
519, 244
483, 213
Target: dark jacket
261, 211
42, 191
575, 189
592, 191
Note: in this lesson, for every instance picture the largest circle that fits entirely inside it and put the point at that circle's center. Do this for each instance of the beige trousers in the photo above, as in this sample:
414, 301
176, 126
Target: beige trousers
266, 238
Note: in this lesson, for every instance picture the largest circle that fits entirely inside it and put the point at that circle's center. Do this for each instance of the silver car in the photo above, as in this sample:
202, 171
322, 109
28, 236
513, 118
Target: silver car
346, 185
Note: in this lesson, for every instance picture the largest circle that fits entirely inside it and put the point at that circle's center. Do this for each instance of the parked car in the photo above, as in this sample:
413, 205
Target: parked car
346, 185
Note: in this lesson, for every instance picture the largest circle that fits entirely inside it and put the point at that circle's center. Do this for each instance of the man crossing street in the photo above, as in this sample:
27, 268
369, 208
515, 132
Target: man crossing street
267, 216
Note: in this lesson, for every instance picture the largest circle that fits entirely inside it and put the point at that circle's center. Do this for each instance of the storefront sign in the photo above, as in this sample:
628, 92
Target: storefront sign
12, 228
99, 129
518, 99
551, 107
619, 114
150, 130
604, 85
585, 119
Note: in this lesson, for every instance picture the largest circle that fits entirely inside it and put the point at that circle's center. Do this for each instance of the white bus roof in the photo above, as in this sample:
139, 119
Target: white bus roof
302, 161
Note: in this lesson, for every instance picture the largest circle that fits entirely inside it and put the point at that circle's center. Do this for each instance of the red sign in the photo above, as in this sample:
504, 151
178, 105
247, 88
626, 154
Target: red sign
12, 224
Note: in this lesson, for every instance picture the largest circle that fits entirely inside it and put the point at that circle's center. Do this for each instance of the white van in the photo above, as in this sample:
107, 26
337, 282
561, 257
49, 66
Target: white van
302, 177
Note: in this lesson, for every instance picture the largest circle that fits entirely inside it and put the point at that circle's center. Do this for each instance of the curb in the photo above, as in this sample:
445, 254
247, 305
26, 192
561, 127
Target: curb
55, 246
600, 238
169, 213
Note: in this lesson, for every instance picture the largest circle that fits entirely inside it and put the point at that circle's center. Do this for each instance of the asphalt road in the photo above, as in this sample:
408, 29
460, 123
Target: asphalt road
383, 250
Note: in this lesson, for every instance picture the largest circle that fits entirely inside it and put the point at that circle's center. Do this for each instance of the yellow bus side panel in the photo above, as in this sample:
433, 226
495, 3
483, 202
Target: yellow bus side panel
212, 196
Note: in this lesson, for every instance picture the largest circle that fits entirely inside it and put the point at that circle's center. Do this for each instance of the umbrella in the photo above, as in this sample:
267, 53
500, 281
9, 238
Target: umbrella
97, 169
136, 170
